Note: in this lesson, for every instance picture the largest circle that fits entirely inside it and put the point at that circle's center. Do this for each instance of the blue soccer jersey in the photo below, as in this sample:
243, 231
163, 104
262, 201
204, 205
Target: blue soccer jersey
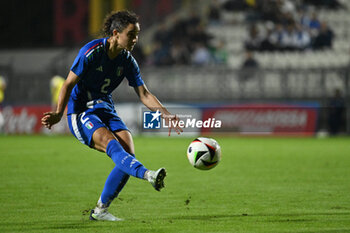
99, 75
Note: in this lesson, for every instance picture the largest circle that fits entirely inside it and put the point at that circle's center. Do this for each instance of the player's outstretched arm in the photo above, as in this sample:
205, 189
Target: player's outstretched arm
151, 102
53, 117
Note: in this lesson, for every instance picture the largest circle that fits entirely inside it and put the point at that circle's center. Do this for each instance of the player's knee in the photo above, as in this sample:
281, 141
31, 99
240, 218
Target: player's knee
101, 139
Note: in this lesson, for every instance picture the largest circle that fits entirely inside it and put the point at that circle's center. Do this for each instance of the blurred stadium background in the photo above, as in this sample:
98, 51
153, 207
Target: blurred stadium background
190, 52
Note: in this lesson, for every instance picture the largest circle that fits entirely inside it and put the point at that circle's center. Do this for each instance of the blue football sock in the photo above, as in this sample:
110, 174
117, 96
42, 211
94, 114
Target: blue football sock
114, 184
124, 161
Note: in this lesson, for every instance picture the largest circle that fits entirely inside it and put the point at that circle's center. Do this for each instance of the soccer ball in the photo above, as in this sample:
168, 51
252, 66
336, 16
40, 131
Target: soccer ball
204, 153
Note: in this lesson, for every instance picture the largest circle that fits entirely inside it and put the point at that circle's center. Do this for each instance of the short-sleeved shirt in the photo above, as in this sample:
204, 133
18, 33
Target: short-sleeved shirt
99, 75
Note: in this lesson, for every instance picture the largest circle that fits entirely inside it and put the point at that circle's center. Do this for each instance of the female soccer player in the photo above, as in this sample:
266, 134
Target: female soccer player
98, 69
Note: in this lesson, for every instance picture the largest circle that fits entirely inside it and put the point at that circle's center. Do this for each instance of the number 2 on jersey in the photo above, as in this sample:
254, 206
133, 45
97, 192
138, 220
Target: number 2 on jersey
107, 81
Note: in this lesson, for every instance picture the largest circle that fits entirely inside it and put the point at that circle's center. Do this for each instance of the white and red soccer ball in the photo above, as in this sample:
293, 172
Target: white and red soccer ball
204, 153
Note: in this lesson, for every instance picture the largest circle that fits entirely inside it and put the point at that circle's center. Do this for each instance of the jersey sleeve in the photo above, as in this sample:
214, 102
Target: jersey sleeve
133, 74
80, 64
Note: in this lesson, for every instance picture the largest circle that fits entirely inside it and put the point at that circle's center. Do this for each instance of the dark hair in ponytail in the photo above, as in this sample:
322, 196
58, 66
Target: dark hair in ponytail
119, 21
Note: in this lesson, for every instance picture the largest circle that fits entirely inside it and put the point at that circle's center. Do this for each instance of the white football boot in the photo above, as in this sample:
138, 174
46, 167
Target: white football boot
156, 178
102, 214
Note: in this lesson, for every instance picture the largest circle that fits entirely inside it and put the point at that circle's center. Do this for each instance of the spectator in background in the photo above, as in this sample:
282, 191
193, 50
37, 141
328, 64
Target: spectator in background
266, 44
194, 20
253, 42
324, 38
275, 37
161, 46
179, 53
251, 3
180, 28
302, 38
2, 97
336, 111
214, 12
314, 24
56, 84
201, 55
269, 10
198, 34
160, 55
250, 61
288, 38
303, 18
249, 66
139, 55
2, 88
219, 52
162, 35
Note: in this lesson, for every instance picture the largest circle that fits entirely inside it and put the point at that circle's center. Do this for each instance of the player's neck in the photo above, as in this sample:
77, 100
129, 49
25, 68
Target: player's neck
113, 49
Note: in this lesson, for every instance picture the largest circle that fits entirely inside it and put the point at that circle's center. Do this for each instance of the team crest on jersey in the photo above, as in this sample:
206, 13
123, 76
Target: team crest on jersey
119, 71
89, 125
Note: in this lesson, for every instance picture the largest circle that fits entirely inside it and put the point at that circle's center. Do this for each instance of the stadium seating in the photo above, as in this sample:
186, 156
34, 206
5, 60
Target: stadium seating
234, 30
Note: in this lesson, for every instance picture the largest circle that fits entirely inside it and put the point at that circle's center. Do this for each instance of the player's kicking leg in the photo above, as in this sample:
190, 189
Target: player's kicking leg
156, 178
126, 165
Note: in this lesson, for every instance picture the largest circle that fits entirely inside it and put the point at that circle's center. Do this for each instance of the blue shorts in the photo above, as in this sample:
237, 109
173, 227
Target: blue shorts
83, 125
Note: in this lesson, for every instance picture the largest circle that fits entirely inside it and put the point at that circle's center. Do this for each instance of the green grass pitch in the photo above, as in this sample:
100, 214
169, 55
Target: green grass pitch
49, 184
